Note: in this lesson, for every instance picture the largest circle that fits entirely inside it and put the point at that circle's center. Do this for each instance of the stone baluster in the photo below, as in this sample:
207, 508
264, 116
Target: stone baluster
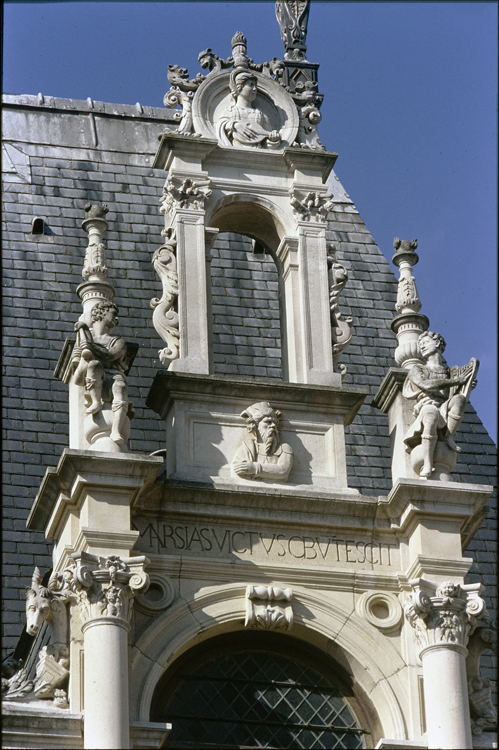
442, 624
410, 323
104, 588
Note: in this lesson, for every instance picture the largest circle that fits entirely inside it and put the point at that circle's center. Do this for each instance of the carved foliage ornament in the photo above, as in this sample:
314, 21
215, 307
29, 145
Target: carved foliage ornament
105, 586
311, 206
292, 17
448, 617
184, 193
268, 608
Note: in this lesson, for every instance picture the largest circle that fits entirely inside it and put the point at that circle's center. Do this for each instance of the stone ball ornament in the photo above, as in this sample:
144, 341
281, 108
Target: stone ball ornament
214, 97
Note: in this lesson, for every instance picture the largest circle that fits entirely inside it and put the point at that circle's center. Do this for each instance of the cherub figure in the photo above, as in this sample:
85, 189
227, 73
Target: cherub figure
101, 366
242, 124
441, 395
260, 454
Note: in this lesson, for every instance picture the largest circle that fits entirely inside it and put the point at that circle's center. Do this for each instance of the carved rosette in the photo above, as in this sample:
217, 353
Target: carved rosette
106, 586
311, 206
268, 608
184, 193
447, 618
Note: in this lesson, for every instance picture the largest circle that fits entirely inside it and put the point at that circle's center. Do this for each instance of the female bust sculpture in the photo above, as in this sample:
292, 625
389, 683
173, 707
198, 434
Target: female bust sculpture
242, 124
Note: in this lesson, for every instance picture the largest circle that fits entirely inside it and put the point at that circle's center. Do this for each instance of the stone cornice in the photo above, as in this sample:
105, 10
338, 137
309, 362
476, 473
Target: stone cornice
342, 400
61, 486
411, 498
390, 385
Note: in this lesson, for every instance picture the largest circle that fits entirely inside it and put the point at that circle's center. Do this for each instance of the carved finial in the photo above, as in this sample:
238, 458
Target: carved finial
239, 50
409, 324
293, 19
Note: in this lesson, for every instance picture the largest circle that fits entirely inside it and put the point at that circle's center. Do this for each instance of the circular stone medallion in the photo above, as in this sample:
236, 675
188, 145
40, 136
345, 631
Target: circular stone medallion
213, 98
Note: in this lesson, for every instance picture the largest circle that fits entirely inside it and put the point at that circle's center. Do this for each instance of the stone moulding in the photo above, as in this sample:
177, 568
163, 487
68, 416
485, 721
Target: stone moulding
381, 609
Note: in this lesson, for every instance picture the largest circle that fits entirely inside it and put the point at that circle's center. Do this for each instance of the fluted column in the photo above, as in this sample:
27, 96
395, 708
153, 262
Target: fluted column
442, 624
104, 588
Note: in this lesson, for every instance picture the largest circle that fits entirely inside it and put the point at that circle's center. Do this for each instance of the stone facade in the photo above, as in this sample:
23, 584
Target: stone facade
104, 154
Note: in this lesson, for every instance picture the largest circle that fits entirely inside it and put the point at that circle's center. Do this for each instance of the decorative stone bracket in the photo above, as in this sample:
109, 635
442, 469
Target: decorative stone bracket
268, 608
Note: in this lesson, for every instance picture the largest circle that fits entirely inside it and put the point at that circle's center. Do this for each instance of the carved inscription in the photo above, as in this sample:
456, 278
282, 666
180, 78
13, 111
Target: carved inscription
179, 538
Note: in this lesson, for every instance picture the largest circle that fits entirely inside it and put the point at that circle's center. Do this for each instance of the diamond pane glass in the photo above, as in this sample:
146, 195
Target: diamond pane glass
256, 698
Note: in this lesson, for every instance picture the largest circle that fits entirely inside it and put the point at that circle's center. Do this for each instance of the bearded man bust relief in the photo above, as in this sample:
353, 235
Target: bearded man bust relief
242, 124
261, 455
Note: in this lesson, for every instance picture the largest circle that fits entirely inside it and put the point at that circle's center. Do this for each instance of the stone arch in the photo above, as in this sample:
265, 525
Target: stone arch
247, 320
255, 216
319, 621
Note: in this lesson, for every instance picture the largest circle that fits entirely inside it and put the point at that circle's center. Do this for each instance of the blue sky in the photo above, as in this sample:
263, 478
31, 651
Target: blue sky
410, 97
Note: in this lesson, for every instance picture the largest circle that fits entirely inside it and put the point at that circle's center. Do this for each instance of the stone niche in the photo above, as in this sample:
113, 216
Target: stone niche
204, 428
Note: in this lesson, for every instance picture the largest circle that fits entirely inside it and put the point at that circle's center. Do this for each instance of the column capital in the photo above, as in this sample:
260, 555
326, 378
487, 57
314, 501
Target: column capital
443, 615
104, 587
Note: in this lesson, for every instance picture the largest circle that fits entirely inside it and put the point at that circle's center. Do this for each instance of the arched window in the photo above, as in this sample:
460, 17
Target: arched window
259, 690
245, 308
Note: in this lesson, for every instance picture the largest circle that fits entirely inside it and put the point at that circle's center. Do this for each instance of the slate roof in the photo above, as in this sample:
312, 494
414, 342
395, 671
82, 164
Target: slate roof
59, 154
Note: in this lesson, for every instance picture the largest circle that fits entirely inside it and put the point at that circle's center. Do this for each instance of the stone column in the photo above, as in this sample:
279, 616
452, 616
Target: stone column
104, 588
442, 625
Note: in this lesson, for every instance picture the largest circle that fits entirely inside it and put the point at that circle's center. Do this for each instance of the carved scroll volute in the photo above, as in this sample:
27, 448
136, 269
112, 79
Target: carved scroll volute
165, 316
268, 608
447, 617
341, 328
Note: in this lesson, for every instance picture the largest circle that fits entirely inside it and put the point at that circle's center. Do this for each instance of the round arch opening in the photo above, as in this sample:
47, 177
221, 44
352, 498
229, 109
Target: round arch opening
251, 216
260, 689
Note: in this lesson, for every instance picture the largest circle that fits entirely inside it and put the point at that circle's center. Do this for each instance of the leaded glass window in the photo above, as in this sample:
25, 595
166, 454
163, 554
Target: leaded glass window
257, 698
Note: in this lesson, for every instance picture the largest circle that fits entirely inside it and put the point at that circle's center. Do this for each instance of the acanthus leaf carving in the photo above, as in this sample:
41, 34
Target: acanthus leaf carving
165, 316
106, 586
268, 608
311, 206
447, 617
184, 193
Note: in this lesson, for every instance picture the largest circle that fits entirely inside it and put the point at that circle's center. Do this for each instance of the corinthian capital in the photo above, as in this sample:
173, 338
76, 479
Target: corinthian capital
443, 615
106, 586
